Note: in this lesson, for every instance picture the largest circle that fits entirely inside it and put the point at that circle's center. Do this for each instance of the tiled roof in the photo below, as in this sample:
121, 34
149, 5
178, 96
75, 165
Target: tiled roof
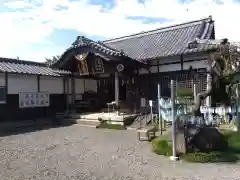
28, 67
83, 42
164, 42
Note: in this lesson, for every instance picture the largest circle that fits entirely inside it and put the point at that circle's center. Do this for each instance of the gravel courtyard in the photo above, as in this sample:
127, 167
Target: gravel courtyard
74, 152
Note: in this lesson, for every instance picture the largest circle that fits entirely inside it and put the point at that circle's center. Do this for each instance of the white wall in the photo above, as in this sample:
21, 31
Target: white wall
83, 85
90, 85
53, 85
22, 83
166, 66
195, 64
79, 86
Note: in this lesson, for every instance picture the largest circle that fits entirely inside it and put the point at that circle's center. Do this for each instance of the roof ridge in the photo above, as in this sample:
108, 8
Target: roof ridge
208, 19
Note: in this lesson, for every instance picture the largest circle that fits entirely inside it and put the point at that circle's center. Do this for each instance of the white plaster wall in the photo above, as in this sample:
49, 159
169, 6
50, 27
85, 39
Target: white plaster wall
165, 63
143, 71
170, 67
52, 85
22, 83
154, 69
2, 79
90, 85
79, 86
195, 64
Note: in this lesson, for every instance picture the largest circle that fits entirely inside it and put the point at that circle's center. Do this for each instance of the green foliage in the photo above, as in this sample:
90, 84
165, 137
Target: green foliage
106, 125
161, 147
234, 141
184, 92
211, 157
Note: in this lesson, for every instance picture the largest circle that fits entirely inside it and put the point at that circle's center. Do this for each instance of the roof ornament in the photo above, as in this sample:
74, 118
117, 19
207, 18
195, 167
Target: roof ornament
79, 41
120, 67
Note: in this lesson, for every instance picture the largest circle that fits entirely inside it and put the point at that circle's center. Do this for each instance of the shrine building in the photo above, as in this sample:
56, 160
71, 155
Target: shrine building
90, 74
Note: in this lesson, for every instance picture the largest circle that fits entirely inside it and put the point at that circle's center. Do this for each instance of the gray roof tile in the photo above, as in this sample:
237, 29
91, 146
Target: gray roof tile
28, 67
165, 41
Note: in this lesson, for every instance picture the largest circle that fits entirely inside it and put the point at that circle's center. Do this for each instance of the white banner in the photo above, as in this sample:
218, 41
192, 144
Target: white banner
33, 99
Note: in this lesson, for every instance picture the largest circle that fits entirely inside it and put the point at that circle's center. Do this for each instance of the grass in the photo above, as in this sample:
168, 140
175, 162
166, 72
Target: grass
106, 125
211, 157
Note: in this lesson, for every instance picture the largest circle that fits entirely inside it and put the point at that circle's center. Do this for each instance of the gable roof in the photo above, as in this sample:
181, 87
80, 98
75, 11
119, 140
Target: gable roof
168, 41
28, 67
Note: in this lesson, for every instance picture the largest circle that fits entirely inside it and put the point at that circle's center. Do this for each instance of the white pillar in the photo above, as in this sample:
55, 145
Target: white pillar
209, 81
117, 89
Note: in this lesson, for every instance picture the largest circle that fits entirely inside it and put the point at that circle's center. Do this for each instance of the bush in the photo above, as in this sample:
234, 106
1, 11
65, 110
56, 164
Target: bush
200, 157
161, 147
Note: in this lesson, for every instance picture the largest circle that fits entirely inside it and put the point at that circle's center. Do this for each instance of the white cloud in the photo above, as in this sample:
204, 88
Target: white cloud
35, 24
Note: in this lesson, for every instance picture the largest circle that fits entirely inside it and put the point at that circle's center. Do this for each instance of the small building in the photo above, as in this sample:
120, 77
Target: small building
90, 74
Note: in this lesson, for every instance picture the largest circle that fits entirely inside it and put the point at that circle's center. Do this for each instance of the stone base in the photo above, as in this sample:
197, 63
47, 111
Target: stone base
174, 158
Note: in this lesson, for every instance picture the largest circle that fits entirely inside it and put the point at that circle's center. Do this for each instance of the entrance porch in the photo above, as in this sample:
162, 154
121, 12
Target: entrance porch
100, 78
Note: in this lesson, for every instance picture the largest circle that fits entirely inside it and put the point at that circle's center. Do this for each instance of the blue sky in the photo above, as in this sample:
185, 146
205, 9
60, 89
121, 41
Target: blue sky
35, 29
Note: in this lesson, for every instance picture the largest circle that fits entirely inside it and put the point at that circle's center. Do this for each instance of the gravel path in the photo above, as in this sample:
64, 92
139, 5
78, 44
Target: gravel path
71, 153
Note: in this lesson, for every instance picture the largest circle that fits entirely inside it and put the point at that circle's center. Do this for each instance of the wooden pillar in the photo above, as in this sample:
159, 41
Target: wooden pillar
67, 95
73, 93
38, 83
117, 89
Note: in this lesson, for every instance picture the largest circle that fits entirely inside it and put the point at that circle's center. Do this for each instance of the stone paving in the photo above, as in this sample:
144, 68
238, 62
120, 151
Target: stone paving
83, 153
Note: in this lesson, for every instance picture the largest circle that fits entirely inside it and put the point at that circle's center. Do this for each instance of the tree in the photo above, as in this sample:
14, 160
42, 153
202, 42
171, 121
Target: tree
223, 61
52, 60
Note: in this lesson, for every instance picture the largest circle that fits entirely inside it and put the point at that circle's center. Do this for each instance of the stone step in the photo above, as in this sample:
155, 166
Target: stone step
84, 122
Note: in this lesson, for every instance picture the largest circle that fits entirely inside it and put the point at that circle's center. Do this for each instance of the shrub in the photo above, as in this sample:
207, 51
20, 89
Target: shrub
161, 147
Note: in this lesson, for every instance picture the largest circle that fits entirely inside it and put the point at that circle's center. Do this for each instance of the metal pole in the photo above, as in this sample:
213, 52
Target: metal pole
159, 110
174, 155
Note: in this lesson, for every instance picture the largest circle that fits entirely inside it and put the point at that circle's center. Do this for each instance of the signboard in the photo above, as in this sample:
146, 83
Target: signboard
33, 99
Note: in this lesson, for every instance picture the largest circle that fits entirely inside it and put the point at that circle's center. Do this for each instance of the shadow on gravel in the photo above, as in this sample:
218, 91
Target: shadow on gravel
34, 127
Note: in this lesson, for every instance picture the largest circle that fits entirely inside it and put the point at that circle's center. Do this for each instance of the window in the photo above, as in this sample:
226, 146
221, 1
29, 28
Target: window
2, 94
